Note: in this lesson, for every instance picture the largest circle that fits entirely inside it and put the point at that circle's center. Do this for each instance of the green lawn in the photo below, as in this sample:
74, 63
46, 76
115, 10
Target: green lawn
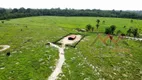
31, 60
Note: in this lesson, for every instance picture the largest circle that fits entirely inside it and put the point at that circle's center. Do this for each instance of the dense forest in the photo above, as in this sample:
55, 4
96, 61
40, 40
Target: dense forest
22, 12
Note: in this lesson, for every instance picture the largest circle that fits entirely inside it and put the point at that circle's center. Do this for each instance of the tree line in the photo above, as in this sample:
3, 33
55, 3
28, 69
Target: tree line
22, 12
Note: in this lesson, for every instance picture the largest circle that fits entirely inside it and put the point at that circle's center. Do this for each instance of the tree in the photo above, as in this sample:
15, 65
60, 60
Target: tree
135, 32
97, 25
92, 29
2, 10
98, 21
22, 10
118, 32
129, 31
88, 27
28, 10
110, 30
107, 30
14, 10
112, 27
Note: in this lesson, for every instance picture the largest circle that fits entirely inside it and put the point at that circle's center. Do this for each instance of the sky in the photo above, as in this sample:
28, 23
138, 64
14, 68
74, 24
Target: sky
74, 4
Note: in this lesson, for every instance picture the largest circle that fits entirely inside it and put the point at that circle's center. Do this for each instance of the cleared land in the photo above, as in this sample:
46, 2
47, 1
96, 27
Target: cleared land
31, 60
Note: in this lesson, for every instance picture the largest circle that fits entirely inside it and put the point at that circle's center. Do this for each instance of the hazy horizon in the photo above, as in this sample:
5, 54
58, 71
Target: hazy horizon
74, 4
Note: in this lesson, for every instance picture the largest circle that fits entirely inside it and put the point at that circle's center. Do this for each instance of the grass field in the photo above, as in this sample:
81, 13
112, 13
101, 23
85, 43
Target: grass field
31, 60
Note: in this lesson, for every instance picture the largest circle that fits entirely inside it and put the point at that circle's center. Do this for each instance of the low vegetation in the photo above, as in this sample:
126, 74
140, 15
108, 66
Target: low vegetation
30, 59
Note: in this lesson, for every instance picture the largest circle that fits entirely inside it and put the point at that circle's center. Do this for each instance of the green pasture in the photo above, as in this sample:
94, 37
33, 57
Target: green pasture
31, 59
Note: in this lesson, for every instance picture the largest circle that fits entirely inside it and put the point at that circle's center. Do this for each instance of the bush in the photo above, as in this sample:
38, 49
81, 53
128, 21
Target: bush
133, 31
110, 30
97, 25
112, 27
2, 22
118, 32
89, 28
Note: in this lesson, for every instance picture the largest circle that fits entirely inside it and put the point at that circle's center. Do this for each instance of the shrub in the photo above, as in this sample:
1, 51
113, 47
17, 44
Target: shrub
110, 30
118, 32
133, 31
2, 22
88, 27
112, 27
97, 25
107, 30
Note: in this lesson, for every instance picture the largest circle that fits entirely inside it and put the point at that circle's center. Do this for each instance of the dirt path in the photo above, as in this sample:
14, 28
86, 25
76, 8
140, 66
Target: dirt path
59, 64
4, 47
61, 59
137, 39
